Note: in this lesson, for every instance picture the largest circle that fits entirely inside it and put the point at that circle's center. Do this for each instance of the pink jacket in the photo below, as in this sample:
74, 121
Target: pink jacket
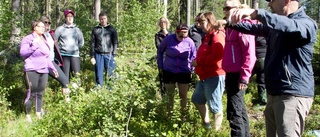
239, 53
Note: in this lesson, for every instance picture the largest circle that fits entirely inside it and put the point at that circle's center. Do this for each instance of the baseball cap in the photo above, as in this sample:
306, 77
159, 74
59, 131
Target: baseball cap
66, 12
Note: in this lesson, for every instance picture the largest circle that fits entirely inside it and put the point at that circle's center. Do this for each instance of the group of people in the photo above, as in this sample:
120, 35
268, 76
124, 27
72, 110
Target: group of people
224, 60
277, 46
57, 53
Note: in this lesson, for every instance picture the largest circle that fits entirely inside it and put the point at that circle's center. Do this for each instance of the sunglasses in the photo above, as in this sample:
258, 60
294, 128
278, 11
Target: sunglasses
227, 8
47, 22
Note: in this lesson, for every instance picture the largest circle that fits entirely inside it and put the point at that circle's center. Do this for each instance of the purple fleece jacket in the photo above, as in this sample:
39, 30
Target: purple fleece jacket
35, 54
178, 54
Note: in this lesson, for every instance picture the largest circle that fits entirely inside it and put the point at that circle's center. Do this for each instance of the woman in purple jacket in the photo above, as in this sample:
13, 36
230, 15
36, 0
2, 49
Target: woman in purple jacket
175, 66
35, 51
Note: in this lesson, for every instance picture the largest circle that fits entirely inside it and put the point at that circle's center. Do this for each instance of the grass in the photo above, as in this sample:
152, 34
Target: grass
18, 127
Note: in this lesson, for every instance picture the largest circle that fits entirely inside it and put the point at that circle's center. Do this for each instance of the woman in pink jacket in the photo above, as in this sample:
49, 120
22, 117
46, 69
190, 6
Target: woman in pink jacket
238, 61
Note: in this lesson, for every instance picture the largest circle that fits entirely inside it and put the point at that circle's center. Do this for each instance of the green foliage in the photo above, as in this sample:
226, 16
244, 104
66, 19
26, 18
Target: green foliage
215, 6
136, 27
5, 25
312, 8
133, 107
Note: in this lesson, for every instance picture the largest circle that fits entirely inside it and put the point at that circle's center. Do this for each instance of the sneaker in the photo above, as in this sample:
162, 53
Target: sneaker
66, 91
28, 119
67, 98
39, 115
42, 112
207, 125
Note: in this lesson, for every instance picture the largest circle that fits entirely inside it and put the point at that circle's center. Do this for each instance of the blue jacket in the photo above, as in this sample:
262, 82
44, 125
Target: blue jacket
290, 40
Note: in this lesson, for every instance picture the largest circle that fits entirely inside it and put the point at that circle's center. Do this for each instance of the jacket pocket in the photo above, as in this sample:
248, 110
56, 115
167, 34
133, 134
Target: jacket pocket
279, 77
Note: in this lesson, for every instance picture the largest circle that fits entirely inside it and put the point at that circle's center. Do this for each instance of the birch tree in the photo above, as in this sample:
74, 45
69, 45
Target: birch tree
97, 9
15, 32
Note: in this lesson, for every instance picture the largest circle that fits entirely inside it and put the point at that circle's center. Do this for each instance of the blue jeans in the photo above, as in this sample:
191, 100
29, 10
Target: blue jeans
210, 91
104, 62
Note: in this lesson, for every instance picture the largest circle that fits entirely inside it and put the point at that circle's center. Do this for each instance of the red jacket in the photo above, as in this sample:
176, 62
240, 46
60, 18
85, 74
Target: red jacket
209, 55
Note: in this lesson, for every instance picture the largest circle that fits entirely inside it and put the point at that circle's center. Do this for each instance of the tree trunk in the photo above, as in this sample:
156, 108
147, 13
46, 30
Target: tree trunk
318, 11
188, 12
179, 11
117, 14
48, 8
57, 12
15, 32
22, 12
255, 4
165, 3
196, 8
97, 9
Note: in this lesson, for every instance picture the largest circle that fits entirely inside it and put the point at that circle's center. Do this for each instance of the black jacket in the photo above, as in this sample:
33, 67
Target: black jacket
261, 47
196, 34
159, 37
104, 40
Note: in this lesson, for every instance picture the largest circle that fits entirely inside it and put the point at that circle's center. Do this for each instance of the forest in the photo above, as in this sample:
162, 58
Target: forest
134, 106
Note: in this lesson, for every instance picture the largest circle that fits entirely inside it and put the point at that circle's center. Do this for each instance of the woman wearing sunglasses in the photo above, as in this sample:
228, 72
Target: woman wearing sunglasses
55, 57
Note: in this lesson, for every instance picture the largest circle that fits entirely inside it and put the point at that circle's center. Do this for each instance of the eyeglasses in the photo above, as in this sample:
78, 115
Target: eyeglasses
227, 8
47, 22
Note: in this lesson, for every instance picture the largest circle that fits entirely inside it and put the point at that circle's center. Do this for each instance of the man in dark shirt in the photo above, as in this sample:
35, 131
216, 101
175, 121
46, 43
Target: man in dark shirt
103, 49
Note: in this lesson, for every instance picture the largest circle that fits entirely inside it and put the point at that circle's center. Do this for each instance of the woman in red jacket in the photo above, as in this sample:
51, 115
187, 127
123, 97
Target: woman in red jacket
208, 67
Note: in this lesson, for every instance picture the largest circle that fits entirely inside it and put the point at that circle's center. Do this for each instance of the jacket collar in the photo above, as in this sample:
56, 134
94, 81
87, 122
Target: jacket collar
69, 26
298, 12
102, 26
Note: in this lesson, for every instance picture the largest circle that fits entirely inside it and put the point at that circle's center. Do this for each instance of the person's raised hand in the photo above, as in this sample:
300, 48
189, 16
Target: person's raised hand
220, 24
236, 15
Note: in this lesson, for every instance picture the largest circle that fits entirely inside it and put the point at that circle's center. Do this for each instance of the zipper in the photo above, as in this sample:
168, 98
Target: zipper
103, 40
287, 74
232, 53
232, 47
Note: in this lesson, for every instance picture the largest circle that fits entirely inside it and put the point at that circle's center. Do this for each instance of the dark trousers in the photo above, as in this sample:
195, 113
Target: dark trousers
236, 109
71, 65
259, 71
63, 79
35, 84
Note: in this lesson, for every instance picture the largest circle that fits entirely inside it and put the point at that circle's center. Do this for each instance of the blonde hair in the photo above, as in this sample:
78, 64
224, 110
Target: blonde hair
166, 20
